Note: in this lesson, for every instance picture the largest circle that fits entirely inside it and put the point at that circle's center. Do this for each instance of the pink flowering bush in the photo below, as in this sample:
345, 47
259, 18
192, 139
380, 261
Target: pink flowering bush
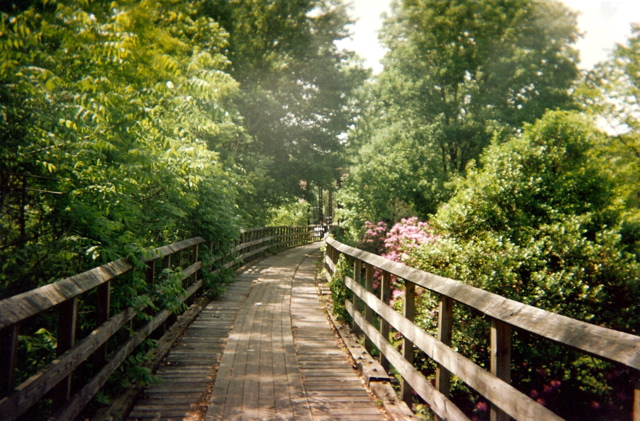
404, 237
397, 244
374, 236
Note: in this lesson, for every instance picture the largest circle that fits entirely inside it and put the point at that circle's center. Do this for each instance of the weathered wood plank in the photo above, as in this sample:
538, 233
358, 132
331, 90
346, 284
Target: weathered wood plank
163, 251
254, 243
36, 387
514, 403
22, 306
441, 405
500, 360
601, 342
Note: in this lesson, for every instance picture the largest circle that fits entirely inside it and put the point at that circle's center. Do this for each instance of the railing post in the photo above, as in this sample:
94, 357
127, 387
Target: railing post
368, 312
500, 360
385, 297
104, 312
196, 256
445, 330
357, 277
67, 319
9, 352
636, 398
328, 253
407, 345
166, 264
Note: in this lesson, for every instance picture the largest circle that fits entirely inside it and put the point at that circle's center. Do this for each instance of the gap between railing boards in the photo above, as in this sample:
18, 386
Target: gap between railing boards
505, 314
65, 297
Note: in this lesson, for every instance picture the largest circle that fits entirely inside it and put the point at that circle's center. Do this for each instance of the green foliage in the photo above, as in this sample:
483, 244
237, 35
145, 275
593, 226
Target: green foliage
538, 221
458, 75
290, 214
339, 289
611, 93
296, 89
37, 350
116, 149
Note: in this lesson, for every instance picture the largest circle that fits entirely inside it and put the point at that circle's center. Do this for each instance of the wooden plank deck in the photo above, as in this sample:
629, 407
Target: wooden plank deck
278, 356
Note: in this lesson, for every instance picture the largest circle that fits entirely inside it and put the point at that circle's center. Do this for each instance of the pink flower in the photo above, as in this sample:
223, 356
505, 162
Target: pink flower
482, 406
396, 293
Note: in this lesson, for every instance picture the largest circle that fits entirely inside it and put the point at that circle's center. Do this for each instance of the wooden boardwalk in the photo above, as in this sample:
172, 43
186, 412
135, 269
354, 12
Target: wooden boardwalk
278, 356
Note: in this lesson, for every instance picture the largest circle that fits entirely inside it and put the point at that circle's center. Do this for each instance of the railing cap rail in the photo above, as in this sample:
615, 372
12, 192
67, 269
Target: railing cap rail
22, 306
609, 344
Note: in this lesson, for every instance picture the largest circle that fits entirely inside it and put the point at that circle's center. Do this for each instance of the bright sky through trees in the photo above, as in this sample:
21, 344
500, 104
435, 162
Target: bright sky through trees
603, 22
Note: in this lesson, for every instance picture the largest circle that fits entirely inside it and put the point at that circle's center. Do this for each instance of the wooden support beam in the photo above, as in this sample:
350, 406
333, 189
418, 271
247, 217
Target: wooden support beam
67, 321
500, 360
103, 314
445, 332
385, 297
368, 313
357, 277
9, 352
407, 345
196, 256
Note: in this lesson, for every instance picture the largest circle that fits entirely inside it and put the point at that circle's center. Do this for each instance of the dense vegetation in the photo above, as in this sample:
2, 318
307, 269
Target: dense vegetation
526, 172
131, 124
125, 125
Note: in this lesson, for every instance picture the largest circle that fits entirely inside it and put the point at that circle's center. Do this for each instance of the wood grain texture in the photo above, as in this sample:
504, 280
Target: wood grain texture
507, 398
601, 342
22, 306
34, 388
440, 404
282, 360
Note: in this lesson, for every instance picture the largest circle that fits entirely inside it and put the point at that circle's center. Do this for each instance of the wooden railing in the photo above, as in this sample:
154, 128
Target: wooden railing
617, 347
57, 381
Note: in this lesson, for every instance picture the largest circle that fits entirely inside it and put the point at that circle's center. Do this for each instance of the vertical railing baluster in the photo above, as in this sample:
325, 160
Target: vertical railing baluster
67, 320
328, 253
9, 352
385, 297
445, 331
368, 312
636, 398
407, 345
357, 277
500, 360
196, 256
103, 314
167, 263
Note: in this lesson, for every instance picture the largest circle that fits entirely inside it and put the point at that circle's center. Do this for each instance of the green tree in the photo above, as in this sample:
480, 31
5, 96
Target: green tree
457, 73
110, 117
296, 87
611, 93
539, 221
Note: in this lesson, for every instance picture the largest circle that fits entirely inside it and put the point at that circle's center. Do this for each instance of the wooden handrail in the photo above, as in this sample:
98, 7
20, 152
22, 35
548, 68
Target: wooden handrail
22, 306
614, 346
63, 296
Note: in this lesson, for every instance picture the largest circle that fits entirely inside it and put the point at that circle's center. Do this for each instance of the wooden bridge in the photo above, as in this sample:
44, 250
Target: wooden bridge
266, 349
